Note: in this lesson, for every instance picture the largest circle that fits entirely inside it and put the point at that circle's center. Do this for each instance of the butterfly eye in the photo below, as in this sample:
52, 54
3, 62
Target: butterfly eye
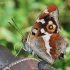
51, 27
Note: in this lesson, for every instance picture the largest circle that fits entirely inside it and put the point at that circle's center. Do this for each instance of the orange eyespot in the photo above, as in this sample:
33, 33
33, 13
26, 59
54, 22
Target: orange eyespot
51, 28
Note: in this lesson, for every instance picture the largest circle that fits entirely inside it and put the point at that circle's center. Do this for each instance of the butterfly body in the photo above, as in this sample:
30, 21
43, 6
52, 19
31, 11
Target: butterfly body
44, 39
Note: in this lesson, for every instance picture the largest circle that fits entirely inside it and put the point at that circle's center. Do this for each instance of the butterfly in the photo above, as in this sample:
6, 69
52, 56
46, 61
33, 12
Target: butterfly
44, 39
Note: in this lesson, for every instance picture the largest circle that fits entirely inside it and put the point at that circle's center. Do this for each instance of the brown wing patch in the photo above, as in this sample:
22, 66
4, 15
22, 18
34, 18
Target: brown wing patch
43, 15
52, 7
52, 43
36, 25
32, 36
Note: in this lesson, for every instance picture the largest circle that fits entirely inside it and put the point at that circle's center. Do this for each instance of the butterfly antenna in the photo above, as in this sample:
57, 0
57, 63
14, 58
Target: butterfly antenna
17, 28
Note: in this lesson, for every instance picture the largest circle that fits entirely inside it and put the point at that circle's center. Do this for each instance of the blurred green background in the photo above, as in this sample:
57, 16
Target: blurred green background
24, 13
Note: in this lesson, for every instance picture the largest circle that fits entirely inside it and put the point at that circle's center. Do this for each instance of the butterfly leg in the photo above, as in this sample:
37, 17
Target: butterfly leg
41, 64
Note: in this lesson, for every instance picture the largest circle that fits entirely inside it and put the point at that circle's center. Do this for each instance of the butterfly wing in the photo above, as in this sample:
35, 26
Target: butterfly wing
39, 39
47, 22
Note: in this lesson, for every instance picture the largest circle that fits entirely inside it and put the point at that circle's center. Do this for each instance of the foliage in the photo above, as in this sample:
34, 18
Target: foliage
24, 13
